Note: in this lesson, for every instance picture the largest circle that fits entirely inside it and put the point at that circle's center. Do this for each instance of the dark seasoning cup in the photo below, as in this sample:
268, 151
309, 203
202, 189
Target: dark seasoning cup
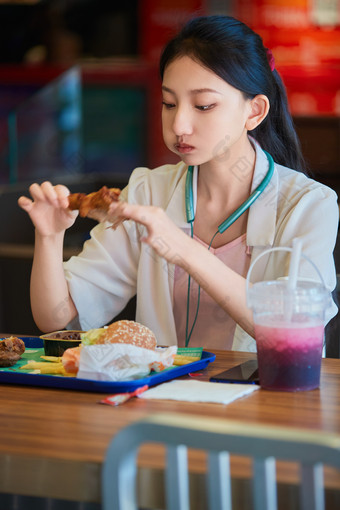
56, 343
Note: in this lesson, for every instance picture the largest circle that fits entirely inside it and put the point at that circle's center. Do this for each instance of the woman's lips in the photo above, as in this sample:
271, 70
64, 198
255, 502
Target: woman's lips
184, 148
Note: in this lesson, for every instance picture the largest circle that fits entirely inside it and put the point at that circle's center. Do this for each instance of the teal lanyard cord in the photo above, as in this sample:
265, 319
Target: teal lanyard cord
187, 337
221, 228
251, 199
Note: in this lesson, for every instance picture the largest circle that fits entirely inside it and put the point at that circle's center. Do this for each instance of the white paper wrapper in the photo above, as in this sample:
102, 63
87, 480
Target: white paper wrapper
122, 362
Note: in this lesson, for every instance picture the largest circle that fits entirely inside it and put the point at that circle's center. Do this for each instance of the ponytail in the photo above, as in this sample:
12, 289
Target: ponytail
276, 134
236, 54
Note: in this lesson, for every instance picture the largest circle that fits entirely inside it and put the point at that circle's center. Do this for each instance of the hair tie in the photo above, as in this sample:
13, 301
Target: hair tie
271, 59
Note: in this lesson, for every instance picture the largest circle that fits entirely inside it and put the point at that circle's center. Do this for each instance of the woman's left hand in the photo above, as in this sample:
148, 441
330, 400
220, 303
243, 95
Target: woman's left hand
162, 234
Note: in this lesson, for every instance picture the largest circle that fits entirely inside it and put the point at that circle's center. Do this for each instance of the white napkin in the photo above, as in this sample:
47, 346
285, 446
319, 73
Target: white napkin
199, 391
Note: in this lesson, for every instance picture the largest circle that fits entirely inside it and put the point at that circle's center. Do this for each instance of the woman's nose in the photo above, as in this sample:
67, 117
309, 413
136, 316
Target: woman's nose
182, 122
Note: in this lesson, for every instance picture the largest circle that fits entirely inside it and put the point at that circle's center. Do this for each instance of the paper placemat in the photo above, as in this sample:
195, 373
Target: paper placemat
199, 391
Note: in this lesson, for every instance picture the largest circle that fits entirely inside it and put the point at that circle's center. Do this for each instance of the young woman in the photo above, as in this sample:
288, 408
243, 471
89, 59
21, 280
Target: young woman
184, 235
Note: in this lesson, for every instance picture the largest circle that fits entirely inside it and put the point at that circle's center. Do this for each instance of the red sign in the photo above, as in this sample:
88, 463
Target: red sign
161, 19
304, 37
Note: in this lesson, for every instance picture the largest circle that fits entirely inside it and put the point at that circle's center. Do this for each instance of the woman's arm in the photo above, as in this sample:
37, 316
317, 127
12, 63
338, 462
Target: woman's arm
224, 285
52, 306
51, 303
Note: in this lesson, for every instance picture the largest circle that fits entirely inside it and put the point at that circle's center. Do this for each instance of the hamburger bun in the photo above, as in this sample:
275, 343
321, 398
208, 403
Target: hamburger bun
128, 332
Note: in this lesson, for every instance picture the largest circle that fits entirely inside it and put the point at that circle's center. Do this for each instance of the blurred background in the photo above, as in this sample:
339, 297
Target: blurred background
80, 102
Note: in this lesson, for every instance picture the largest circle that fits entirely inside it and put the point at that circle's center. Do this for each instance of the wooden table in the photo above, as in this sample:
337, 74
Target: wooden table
53, 442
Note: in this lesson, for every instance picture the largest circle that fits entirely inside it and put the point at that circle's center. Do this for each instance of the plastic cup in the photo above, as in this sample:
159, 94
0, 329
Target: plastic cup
289, 333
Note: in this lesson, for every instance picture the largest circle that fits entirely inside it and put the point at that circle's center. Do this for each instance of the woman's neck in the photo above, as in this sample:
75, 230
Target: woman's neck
228, 180
221, 188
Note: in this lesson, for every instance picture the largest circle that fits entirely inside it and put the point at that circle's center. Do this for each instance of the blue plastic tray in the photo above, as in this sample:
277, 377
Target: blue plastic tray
8, 376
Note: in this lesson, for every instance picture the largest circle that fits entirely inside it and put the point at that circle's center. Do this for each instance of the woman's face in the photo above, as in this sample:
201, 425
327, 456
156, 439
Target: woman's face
203, 117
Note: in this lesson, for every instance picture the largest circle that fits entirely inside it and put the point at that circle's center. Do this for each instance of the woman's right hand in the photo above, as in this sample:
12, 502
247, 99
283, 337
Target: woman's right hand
49, 208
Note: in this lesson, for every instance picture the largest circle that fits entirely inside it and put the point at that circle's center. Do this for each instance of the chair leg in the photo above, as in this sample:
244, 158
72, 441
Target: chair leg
312, 487
264, 486
119, 482
219, 481
177, 478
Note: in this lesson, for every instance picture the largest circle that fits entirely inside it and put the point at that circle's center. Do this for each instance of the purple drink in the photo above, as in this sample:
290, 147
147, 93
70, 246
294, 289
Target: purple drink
289, 355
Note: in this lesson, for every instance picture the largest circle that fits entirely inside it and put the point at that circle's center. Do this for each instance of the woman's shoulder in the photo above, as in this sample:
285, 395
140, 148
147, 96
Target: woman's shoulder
154, 185
291, 182
294, 182
167, 171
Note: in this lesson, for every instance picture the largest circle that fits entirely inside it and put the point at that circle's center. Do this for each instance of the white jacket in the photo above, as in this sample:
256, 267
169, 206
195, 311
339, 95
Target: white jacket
114, 265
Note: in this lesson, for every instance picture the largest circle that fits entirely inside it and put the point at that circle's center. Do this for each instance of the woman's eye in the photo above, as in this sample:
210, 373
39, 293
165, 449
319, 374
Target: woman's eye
204, 108
168, 105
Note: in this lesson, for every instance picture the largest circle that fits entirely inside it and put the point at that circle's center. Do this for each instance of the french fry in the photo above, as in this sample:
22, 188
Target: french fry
53, 359
37, 365
53, 369
47, 368
179, 362
184, 360
188, 358
44, 367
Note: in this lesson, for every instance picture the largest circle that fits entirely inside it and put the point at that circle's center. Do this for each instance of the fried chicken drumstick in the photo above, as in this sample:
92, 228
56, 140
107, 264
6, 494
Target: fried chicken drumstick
11, 349
97, 200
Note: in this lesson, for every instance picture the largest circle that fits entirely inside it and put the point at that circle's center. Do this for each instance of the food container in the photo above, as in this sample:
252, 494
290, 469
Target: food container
57, 342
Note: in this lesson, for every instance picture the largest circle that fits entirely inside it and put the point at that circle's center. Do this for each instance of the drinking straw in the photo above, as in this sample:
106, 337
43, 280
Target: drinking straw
292, 278
294, 263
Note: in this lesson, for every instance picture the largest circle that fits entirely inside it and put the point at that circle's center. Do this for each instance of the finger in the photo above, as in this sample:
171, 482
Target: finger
115, 213
36, 192
115, 207
25, 203
49, 193
62, 193
124, 210
61, 190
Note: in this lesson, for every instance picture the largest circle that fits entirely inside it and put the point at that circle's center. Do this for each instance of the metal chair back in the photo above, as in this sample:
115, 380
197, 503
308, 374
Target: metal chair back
219, 438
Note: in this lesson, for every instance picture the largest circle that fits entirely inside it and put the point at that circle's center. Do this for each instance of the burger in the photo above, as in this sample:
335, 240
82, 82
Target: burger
119, 332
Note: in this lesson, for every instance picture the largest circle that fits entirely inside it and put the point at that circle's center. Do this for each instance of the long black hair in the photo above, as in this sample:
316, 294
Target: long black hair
236, 54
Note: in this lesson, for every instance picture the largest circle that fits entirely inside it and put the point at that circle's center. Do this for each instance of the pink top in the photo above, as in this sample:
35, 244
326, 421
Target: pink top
214, 328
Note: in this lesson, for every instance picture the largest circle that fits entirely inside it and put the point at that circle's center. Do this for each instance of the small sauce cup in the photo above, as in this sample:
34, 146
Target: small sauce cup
56, 343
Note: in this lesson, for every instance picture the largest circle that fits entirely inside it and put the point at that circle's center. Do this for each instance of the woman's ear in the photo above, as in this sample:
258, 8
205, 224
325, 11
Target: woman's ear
259, 108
